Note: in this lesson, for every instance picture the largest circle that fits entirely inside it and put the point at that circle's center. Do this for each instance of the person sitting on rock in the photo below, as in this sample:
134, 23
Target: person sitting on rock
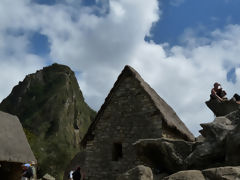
217, 92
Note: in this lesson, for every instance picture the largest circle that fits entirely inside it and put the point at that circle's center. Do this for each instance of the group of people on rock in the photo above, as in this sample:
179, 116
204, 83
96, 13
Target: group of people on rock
218, 93
76, 174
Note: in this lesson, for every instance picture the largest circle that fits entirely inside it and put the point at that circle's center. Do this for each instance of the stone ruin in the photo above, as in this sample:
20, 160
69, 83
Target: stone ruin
137, 136
131, 111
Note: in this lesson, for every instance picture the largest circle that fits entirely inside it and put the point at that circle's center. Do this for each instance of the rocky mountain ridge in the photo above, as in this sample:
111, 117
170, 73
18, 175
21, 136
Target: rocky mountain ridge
51, 108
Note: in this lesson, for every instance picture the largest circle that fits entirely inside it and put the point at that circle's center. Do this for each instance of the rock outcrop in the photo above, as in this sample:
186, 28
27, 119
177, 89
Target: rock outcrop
222, 108
217, 149
162, 154
48, 177
54, 115
232, 144
221, 173
186, 175
138, 173
219, 146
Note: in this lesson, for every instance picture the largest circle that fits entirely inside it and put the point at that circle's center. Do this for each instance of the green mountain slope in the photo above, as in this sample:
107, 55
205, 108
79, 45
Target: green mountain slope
55, 117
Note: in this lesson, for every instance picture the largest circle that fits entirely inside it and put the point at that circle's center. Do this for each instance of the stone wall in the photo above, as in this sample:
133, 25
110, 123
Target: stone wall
130, 115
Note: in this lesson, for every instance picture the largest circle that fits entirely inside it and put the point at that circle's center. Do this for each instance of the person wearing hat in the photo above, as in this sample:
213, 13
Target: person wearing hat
217, 92
27, 172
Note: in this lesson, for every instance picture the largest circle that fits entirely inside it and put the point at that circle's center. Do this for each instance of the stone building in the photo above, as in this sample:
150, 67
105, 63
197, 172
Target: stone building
14, 147
131, 111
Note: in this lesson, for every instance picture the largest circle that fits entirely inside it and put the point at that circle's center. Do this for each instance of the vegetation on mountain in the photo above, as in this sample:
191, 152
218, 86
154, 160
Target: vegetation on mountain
51, 108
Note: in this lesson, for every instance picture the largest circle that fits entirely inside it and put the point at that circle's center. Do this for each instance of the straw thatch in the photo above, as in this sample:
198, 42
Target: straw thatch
14, 146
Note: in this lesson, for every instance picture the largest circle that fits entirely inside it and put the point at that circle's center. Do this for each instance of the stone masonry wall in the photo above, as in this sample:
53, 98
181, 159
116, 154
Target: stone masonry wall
129, 116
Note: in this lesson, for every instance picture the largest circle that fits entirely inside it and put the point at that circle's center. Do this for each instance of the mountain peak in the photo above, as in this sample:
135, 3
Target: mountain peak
51, 108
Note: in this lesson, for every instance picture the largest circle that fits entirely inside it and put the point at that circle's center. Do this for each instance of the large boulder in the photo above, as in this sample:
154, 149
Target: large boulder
233, 140
207, 154
138, 173
222, 173
211, 152
218, 129
164, 155
234, 117
222, 108
186, 175
232, 147
48, 177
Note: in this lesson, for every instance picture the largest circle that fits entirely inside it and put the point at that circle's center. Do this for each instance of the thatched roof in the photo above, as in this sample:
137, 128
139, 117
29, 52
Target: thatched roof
14, 146
169, 115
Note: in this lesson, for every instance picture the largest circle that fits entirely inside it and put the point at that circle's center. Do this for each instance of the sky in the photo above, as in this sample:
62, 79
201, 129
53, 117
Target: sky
179, 47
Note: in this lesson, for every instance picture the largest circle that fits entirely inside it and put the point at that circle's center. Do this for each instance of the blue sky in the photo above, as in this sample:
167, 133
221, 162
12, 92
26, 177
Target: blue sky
203, 16
180, 47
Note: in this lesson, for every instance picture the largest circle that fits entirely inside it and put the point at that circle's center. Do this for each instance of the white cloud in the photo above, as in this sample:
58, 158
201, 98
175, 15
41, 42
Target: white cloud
15, 62
184, 79
100, 46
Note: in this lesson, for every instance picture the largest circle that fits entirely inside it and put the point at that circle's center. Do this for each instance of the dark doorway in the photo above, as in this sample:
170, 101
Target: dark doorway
117, 151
